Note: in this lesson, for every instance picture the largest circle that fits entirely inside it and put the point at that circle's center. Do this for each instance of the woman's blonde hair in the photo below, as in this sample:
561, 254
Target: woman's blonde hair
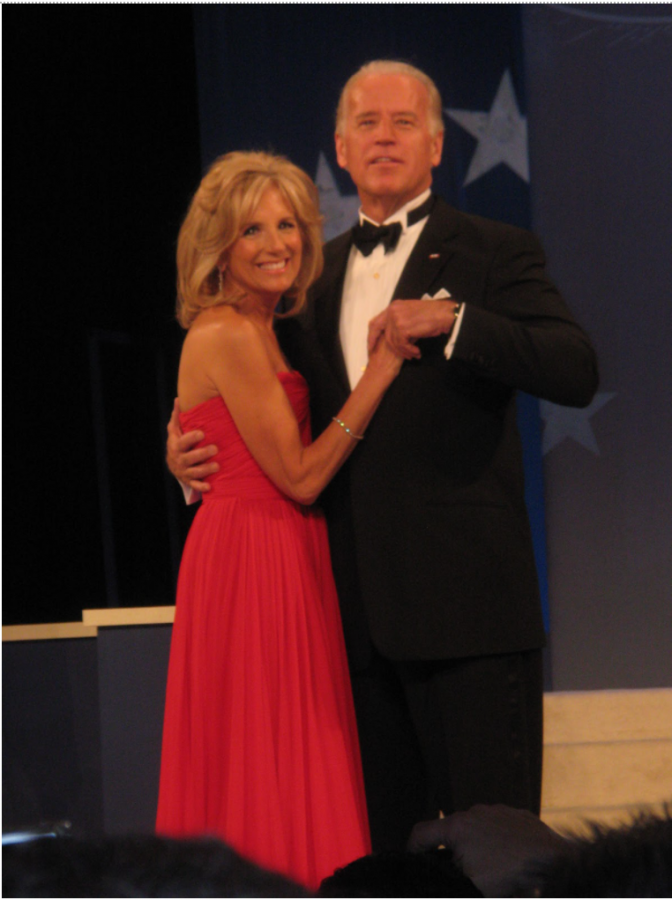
224, 202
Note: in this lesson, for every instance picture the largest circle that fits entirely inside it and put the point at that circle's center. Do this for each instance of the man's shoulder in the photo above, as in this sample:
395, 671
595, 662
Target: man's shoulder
470, 232
471, 225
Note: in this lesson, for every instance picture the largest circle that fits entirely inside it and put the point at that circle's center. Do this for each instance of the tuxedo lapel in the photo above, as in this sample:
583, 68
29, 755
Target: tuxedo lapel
430, 255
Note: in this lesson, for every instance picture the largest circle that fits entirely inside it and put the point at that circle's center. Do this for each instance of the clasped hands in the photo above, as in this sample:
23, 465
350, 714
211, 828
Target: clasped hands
404, 322
401, 324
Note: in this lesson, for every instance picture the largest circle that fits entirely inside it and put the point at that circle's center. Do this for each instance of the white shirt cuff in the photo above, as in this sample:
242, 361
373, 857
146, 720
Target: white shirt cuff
191, 496
450, 346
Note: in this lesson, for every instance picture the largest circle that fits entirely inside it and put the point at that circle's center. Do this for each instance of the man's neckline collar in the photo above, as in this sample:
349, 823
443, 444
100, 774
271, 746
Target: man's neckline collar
401, 215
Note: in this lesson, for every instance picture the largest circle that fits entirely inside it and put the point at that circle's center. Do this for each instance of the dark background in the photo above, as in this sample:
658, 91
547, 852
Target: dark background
101, 155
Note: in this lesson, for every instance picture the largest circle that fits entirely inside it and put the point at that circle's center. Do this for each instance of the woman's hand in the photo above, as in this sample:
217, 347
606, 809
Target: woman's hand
383, 358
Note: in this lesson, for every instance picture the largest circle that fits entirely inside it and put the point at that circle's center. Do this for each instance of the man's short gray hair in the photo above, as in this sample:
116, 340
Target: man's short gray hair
393, 67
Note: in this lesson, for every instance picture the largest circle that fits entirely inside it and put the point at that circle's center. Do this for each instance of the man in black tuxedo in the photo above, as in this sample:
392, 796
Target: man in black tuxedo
431, 543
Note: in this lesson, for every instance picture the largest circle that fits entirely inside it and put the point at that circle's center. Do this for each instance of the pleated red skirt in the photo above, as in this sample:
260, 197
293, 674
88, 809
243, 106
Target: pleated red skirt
260, 743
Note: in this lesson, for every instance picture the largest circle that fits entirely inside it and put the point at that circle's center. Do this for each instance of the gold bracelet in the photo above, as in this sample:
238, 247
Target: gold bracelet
357, 437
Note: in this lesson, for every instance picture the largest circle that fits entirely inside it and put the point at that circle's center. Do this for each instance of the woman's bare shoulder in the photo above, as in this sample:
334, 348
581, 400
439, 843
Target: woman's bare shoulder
221, 328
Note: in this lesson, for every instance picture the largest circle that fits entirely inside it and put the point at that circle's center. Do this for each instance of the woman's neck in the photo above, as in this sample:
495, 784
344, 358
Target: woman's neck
259, 309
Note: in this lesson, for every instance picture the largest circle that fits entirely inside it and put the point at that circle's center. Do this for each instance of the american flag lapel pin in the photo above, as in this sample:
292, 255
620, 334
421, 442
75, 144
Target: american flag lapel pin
434, 255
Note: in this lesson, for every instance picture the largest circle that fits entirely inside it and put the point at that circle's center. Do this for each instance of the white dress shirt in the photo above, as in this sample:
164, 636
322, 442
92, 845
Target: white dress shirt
369, 284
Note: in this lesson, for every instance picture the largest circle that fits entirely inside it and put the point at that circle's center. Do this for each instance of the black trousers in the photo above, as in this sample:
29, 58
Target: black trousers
444, 735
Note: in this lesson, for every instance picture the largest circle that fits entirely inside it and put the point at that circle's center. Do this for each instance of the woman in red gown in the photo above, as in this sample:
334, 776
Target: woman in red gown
260, 743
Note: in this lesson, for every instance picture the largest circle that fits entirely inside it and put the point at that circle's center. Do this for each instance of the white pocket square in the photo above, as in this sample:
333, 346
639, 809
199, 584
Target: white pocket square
443, 294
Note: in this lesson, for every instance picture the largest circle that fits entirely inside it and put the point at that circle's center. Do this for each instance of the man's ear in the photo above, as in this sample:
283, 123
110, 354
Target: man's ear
341, 155
437, 149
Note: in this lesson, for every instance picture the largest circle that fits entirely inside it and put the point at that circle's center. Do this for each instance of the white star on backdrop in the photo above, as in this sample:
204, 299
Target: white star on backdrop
339, 211
501, 134
562, 422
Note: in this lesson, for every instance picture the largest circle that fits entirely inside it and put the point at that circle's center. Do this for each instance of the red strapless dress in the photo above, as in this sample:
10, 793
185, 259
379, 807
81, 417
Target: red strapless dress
260, 742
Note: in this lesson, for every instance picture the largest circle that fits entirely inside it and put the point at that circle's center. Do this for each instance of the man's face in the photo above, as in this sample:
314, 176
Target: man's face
386, 144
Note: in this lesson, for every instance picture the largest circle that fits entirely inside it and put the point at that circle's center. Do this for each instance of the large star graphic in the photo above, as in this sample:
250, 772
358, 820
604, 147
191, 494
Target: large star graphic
562, 422
501, 134
339, 211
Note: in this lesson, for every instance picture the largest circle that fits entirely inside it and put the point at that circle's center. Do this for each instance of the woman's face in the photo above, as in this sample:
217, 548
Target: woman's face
265, 260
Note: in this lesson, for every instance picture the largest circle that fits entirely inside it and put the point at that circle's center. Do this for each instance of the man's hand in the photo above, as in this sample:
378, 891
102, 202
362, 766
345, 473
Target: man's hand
492, 844
406, 321
187, 465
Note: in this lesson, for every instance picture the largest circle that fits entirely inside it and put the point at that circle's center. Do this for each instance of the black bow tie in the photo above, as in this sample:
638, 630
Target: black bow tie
367, 235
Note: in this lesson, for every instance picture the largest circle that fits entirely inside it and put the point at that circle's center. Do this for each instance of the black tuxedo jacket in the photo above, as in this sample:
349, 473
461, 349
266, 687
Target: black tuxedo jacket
430, 539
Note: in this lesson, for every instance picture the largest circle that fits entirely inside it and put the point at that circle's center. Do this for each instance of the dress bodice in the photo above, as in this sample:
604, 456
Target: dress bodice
239, 474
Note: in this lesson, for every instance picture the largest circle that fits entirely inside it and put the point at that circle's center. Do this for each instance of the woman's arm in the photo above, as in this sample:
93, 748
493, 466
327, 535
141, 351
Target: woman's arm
236, 362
